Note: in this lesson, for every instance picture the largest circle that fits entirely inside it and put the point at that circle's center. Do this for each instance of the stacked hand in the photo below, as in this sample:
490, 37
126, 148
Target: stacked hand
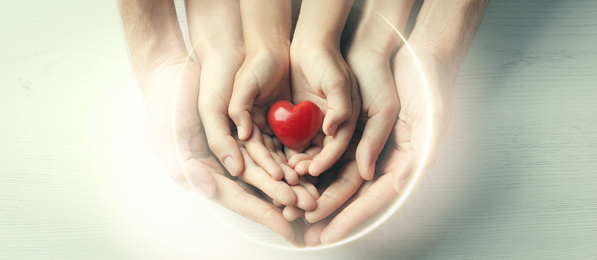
215, 137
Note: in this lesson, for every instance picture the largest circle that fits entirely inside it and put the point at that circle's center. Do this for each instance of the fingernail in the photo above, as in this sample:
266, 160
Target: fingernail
205, 189
371, 170
231, 165
241, 132
332, 129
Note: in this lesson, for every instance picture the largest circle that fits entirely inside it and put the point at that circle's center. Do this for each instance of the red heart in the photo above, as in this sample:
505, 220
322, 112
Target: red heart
296, 125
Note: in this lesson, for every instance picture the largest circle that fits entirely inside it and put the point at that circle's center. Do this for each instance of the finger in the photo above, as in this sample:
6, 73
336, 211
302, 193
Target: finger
292, 213
376, 133
279, 149
196, 176
219, 139
244, 92
347, 183
302, 168
235, 198
312, 148
261, 155
339, 107
213, 101
309, 187
277, 203
381, 103
313, 233
257, 177
406, 167
333, 148
269, 142
296, 158
304, 200
290, 175
307, 154
299, 233
370, 204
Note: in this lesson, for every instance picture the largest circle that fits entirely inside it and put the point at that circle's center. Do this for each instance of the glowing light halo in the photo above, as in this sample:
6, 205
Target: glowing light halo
424, 156
375, 224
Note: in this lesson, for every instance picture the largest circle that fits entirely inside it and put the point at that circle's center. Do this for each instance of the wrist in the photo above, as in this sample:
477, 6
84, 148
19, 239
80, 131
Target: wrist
432, 60
316, 37
153, 56
322, 22
377, 26
446, 31
273, 42
308, 48
385, 43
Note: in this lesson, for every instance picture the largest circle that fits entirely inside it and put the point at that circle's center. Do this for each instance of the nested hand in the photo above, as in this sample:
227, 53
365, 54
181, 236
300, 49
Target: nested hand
441, 36
401, 154
263, 77
320, 74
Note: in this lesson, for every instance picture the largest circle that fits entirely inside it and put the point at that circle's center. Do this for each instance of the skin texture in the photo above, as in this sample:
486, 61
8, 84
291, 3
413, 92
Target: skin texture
320, 74
158, 56
442, 34
246, 62
263, 77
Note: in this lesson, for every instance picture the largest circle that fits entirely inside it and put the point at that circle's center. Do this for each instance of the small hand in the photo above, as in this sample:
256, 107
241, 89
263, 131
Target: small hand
261, 81
320, 74
263, 77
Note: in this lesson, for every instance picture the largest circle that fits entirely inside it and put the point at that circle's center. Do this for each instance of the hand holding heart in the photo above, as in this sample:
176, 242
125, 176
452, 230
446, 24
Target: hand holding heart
325, 162
295, 126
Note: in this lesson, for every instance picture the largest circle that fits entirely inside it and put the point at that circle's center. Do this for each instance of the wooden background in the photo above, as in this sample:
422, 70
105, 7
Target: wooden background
78, 179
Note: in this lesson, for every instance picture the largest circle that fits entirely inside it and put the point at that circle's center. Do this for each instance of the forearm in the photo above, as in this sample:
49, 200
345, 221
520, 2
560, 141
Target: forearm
446, 28
266, 24
322, 22
378, 22
152, 33
215, 28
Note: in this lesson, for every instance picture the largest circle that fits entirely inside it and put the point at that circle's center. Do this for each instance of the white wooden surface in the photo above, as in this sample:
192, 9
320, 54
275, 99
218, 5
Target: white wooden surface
79, 181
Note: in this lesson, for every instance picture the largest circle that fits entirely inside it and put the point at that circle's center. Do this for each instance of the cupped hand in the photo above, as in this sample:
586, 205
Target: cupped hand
281, 192
404, 149
184, 151
262, 80
320, 74
369, 52
263, 77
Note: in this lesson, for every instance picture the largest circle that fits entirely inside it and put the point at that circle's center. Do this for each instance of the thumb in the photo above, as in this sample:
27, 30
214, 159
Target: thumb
244, 91
339, 108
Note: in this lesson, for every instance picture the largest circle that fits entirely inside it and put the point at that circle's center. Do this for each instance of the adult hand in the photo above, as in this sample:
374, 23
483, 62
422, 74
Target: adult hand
401, 154
160, 62
440, 39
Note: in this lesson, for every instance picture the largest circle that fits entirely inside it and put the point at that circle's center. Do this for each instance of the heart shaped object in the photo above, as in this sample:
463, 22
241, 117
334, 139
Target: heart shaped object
294, 125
